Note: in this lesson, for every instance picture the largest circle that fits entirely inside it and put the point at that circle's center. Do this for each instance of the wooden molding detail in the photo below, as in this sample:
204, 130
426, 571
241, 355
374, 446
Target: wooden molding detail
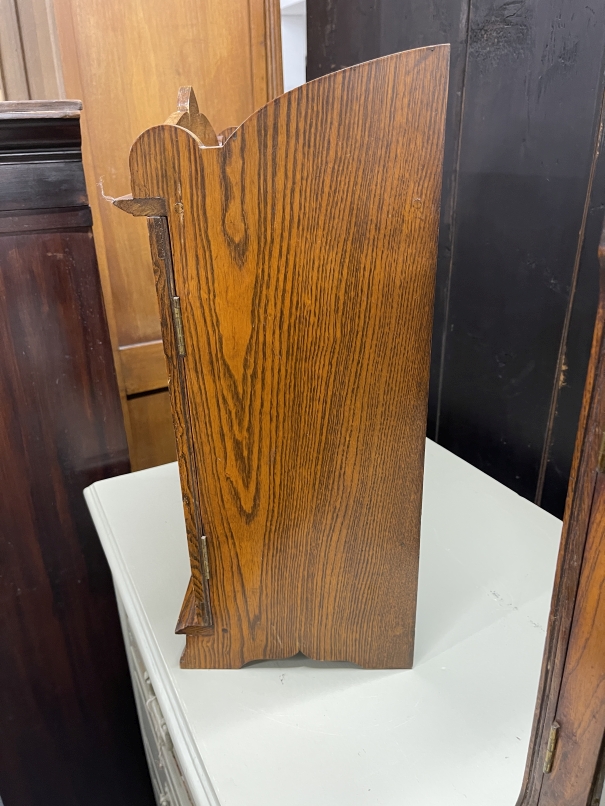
581, 707
295, 276
45, 110
275, 72
140, 207
190, 620
40, 220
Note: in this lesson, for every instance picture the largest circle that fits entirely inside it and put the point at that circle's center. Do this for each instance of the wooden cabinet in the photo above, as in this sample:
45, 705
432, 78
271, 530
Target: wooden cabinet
68, 731
126, 62
485, 583
295, 264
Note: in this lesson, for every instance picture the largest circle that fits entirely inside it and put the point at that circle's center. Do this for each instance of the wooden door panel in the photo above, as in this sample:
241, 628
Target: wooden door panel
126, 62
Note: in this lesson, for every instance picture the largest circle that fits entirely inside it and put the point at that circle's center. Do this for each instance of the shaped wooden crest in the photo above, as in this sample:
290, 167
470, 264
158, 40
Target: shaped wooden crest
295, 260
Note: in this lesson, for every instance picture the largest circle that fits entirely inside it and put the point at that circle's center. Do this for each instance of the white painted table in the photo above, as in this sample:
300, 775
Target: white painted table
453, 730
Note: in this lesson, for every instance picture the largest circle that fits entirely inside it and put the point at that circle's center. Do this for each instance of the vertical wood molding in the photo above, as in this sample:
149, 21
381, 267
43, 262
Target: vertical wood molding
44, 74
14, 74
66, 41
273, 49
29, 57
265, 50
54, 47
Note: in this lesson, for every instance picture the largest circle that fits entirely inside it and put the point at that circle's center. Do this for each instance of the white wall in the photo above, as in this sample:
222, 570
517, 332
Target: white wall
294, 42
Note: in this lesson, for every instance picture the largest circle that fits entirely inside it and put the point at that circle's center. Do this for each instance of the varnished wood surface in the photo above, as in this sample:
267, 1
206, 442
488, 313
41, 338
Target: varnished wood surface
144, 367
46, 185
30, 65
40, 220
161, 255
45, 110
68, 727
33, 139
229, 51
133, 82
580, 520
303, 254
581, 706
153, 431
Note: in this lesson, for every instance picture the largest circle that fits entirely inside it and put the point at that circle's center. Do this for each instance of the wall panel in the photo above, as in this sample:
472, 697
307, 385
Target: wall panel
516, 279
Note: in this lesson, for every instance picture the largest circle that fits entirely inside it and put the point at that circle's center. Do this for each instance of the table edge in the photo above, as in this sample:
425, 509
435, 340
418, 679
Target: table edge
195, 772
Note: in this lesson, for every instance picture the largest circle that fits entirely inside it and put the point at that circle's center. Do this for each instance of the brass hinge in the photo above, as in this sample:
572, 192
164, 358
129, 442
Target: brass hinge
204, 547
601, 467
177, 318
551, 746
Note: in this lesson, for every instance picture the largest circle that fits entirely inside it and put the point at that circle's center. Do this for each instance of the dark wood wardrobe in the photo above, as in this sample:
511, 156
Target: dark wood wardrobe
68, 729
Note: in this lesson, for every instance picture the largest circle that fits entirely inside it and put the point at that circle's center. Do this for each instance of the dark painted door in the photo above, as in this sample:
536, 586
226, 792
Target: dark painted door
522, 207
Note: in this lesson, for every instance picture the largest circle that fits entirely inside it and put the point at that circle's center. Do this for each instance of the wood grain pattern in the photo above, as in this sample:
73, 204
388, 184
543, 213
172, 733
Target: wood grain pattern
12, 61
581, 706
576, 527
188, 116
161, 255
132, 82
303, 253
38, 43
226, 50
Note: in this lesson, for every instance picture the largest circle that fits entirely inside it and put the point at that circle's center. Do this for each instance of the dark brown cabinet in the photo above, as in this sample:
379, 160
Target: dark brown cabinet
68, 730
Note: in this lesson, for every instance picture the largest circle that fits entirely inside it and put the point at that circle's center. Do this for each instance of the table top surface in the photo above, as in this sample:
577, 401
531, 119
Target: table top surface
452, 730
